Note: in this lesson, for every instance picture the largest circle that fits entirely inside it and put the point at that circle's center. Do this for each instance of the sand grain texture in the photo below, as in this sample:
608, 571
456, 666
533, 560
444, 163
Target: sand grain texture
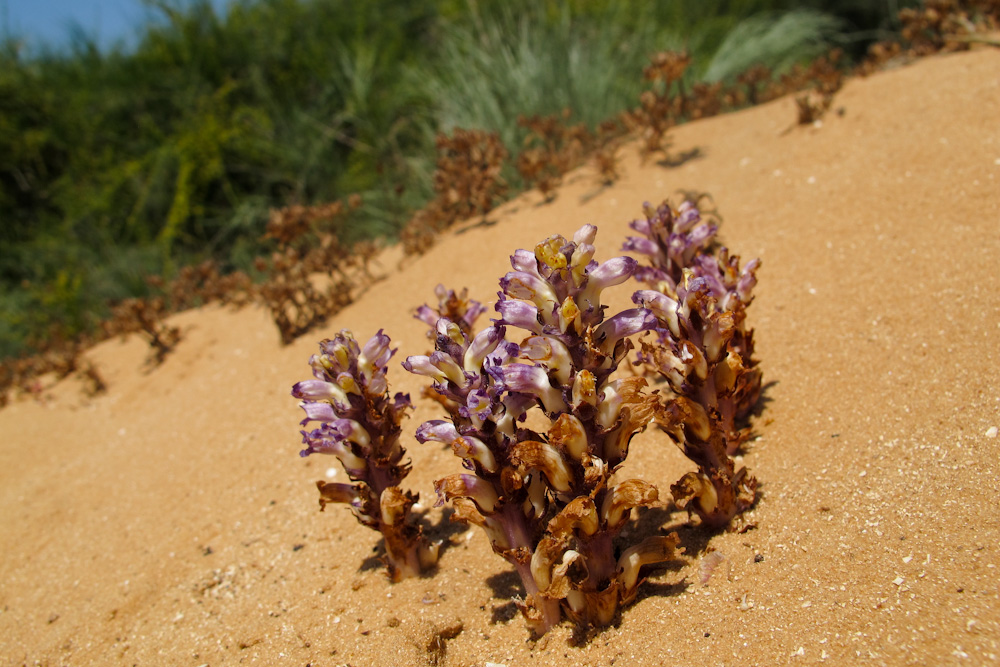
170, 522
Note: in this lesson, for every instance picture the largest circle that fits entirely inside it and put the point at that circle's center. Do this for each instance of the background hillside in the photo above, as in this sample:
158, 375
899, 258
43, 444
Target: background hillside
121, 163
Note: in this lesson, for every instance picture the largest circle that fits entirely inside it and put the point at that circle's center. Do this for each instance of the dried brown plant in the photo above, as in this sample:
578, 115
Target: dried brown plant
313, 274
606, 159
820, 82
145, 316
939, 25
661, 106
57, 354
298, 302
93, 382
752, 79
467, 181
551, 148
287, 225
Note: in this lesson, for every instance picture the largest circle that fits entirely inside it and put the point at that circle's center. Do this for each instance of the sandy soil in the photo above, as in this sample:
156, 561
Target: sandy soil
171, 522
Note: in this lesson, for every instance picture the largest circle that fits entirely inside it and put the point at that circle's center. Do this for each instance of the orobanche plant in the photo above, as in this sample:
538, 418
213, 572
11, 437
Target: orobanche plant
542, 421
703, 350
546, 499
360, 425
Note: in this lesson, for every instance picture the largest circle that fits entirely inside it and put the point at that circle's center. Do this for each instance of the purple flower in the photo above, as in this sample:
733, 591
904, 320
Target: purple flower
585, 235
456, 307
640, 246
478, 407
427, 315
624, 324
519, 314
375, 355
421, 365
316, 411
661, 305
449, 367
319, 390
523, 260
747, 281
333, 438
485, 342
612, 272
437, 430
673, 240
532, 380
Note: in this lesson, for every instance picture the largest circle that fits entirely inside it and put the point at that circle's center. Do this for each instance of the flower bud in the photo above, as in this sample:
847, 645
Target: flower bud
317, 412
662, 306
374, 355
318, 390
421, 365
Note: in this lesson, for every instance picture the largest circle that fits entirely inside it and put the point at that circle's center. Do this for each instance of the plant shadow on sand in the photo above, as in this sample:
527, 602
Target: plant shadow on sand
483, 223
682, 158
668, 162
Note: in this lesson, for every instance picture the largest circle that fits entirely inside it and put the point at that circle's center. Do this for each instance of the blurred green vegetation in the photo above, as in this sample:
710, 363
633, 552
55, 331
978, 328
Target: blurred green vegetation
120, 164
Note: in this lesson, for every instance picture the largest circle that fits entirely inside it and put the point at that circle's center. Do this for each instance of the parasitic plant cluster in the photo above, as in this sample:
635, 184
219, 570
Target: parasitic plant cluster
704, 352
457, 308
538, 415
360, 424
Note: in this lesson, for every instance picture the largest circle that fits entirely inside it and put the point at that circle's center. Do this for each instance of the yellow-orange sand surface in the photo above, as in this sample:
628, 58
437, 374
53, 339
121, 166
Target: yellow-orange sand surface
171, 521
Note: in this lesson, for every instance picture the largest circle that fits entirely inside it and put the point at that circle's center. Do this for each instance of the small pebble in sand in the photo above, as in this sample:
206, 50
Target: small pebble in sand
331, 473
991, 432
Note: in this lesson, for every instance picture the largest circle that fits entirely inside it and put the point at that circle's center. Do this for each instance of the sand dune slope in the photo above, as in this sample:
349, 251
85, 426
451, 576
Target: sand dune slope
170, 521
